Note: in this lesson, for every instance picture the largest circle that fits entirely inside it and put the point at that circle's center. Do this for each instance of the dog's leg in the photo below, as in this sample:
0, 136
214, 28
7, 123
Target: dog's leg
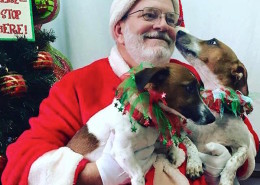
176, 156
229, 172
194, 163
123, 153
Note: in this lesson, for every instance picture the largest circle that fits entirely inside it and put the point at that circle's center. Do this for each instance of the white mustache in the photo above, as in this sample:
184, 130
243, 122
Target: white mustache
158, 35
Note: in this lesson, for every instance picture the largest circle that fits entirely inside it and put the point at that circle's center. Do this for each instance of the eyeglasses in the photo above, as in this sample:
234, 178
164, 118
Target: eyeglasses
154, 14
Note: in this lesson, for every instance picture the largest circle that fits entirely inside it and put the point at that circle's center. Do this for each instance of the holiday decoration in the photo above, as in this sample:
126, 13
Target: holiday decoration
45, 10
227, 100
28, 69
12, 85
144, 108
44, 61
16, 20
3, 161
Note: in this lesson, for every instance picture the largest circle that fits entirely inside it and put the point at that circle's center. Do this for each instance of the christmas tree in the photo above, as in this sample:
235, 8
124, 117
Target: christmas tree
27, 71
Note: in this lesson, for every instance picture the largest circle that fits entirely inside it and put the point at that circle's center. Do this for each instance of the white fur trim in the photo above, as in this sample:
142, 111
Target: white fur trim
117, 63
120, 7
55, 167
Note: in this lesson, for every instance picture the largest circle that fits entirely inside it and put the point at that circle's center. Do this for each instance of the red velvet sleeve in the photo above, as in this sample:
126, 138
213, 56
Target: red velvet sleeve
250, 128
243, 169
71, 102
79, 169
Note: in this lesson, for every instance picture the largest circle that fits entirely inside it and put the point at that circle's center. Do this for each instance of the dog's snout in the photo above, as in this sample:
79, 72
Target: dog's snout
180, 34
205, 116
210, 118
182, 38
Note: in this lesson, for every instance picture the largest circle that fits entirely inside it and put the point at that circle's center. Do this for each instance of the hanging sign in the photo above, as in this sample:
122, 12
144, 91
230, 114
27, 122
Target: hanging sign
16, 20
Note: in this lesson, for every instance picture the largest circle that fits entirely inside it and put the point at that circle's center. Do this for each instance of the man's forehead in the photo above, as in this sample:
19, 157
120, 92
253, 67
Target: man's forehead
164, 5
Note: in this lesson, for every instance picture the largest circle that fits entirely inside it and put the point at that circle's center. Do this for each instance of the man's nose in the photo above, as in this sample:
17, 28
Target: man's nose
161, 23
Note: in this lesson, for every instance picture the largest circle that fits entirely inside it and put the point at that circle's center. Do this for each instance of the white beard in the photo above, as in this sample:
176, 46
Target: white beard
154, 54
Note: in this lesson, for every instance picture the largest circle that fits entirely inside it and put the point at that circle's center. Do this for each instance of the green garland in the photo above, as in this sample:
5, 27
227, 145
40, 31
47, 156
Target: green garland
147, 103
226, 99
17, 57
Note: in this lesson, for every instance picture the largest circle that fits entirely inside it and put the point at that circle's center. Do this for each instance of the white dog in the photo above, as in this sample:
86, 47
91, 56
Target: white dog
219, 69
182, 96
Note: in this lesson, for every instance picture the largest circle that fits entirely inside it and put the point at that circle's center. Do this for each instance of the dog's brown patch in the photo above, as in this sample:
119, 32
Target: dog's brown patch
176, 85
83, 142
220, 59
223, 62
181, 89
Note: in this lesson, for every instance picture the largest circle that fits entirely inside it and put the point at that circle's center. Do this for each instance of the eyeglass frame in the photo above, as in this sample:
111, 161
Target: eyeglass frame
178, 23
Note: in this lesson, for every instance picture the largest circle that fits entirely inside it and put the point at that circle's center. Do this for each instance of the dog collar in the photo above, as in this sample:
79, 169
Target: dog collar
227, 100
144, 109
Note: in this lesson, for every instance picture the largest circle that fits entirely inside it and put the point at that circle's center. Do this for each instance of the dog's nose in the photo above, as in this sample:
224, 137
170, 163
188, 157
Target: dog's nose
180, 33
210, 118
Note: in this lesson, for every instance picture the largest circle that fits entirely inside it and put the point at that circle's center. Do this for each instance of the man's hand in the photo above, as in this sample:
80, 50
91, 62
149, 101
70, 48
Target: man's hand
214, 161
110, 171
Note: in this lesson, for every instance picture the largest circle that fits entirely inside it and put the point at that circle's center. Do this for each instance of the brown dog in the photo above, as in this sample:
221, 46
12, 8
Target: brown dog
218, 67
216, 63
182, 96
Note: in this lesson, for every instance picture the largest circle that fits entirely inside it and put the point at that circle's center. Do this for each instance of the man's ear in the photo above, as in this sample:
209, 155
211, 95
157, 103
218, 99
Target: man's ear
118, 32
239, 74
151, 76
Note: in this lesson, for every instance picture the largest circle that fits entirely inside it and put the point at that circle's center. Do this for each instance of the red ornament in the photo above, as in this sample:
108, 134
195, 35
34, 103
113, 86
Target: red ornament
12, 85
46, 10
3, 162
44, 61
43, 6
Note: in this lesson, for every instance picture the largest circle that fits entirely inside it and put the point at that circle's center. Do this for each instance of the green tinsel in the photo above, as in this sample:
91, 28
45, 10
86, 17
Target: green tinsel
227, 100
128, 95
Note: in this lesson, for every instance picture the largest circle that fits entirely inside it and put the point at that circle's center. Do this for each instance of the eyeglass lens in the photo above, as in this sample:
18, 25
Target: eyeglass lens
152, 14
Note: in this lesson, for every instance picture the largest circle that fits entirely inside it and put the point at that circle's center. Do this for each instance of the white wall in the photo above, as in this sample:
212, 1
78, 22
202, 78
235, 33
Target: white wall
83, 34
82, 30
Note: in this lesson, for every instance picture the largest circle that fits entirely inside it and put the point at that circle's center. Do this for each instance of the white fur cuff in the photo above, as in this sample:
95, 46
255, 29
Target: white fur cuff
55, 167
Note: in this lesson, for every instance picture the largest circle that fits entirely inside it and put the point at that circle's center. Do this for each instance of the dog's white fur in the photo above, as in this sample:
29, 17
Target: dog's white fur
126, 142
228, 131
110, 120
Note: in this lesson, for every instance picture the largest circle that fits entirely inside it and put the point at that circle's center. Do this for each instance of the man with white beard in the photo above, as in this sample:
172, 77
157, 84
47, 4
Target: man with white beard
144, 31
156, 53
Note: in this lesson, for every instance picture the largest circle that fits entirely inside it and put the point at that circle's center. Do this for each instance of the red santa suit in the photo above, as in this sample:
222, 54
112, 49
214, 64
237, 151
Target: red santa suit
40, 154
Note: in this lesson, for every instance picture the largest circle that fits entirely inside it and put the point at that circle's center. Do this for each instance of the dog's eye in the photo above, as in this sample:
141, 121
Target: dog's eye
212, 42
191, 88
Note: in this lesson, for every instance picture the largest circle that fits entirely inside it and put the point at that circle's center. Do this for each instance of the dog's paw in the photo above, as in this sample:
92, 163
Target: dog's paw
194, 167
138, 181
176, 156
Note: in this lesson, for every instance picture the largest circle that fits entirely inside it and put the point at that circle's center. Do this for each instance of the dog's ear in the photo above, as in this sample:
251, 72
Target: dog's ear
155, 76
239, 74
